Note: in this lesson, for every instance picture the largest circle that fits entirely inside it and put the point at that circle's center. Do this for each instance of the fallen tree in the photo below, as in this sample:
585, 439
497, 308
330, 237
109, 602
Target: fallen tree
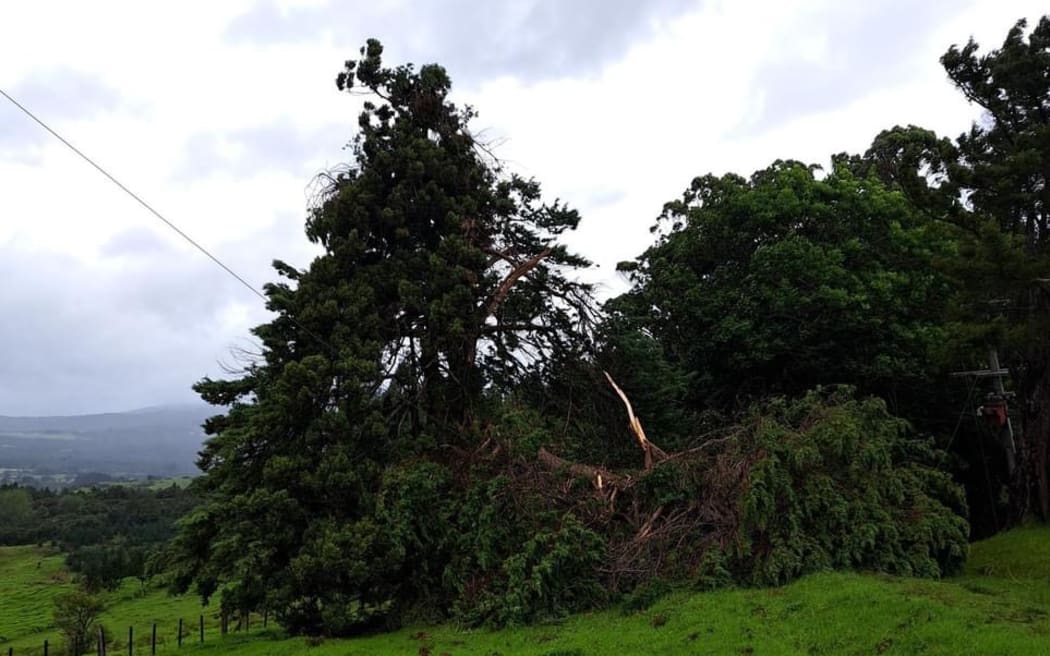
826, 481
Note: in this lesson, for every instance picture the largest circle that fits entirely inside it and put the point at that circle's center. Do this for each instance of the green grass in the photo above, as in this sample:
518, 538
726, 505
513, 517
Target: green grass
29, 580
30, 577
1000, 605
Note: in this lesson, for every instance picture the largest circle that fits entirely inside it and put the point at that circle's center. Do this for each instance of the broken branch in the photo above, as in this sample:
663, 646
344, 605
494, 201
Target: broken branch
650, 450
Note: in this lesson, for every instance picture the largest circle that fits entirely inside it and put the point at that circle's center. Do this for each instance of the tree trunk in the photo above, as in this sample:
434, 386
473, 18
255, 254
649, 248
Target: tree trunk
1030, 487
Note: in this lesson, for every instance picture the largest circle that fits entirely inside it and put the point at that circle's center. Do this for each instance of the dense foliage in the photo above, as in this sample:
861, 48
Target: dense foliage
431, 429
109, 533
990, 187
1001, 171
839, 486
787, 280
442, 283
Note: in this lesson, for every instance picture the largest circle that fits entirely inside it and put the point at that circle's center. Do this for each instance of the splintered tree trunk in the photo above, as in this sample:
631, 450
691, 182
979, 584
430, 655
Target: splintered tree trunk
1030, 488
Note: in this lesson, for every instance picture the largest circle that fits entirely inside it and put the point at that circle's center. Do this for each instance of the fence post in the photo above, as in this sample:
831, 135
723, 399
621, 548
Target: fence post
45, 646
180, 632
202, 629
153, 640
131, 641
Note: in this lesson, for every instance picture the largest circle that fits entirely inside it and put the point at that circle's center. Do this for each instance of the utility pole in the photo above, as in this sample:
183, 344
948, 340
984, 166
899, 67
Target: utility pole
995, 404
1007, 433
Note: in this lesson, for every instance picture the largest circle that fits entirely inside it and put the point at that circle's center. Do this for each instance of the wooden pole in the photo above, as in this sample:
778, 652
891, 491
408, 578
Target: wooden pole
1007, 436
180, 632
45, 646
131, 641
153, 640
202, 629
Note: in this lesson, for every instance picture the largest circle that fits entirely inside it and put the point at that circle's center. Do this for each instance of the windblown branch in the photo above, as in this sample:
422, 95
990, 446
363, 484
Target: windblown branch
520, 270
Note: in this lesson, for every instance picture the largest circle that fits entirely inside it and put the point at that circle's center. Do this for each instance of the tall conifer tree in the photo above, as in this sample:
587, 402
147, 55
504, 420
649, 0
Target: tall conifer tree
441, 282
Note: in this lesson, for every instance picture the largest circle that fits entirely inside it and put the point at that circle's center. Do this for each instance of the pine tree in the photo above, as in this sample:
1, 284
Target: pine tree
1001, 173
441, 283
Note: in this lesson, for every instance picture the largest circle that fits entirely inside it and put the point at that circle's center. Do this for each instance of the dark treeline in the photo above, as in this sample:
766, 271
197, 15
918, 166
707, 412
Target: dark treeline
442, 422
109, 533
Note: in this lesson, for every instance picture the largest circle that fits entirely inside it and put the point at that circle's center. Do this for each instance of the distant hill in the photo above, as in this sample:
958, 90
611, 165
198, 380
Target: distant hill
158, 441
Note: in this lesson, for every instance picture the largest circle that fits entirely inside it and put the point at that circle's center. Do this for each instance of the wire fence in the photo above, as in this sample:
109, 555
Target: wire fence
103, 641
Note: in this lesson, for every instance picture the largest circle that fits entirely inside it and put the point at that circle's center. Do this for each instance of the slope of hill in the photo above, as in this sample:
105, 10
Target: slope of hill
161, 441
1000, 605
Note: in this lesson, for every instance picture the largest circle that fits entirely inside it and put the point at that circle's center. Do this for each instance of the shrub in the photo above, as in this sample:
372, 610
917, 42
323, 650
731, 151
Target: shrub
76, 615
840, 485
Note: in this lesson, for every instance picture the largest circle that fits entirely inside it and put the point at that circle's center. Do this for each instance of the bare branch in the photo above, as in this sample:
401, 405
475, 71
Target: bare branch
501, 293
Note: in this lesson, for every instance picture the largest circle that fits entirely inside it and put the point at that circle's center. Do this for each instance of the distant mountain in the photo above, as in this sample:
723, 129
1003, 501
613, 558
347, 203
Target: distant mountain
157, 441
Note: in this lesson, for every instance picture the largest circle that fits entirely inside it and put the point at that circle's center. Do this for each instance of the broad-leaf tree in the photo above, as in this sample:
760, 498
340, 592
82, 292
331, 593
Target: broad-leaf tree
792, 279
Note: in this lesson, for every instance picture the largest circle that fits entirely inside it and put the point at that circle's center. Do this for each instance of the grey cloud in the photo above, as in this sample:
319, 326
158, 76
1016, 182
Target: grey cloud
54, 95
869, 45
475, 39
130, 332
138, 242
278, 146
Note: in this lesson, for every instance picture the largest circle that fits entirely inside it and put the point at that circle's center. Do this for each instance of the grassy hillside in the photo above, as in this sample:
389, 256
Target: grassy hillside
1000, 605
30, 577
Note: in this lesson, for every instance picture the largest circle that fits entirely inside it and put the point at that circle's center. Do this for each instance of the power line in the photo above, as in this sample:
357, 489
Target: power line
133, 195
160, 216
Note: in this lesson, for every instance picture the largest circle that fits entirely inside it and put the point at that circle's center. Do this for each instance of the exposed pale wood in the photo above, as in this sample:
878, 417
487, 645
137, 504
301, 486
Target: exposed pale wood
651, 451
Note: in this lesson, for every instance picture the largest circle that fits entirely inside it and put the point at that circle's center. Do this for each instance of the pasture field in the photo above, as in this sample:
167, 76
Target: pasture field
999, 605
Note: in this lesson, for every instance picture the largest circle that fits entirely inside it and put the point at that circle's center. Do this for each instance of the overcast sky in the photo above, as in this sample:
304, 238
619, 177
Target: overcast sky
220, 113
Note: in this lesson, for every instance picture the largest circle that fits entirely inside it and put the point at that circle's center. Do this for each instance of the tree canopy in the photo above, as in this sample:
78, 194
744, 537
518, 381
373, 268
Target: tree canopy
1001, 173
442, 282
791, 279
433, 426
989, 186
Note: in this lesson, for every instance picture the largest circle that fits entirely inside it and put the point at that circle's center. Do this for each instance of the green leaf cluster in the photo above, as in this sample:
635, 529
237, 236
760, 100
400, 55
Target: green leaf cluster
838, 485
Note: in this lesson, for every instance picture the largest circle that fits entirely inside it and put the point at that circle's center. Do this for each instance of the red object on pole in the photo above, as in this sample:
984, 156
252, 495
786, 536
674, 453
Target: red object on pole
994, 412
